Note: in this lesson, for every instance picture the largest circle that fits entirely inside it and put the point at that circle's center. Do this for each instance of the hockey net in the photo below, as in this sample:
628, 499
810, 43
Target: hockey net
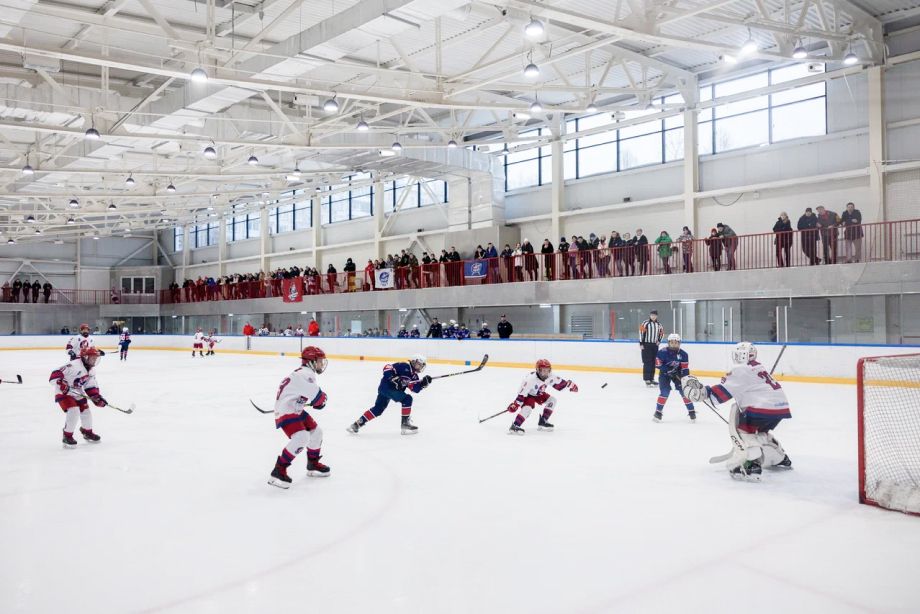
888, 396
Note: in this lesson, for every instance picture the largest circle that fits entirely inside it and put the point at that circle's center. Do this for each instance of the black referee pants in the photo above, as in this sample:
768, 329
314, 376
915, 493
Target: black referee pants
649, 352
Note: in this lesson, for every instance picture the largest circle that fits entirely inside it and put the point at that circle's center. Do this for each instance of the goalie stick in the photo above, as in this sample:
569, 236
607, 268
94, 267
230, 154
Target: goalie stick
485, 359
7, 381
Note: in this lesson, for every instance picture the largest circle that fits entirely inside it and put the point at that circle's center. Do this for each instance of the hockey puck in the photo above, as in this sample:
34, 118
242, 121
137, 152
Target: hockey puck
604, 386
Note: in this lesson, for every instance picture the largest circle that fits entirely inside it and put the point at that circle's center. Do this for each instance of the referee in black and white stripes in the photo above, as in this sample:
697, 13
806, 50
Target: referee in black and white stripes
650, 334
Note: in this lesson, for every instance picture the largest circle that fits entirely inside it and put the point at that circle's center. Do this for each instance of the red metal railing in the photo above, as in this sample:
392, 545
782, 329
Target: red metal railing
78, 297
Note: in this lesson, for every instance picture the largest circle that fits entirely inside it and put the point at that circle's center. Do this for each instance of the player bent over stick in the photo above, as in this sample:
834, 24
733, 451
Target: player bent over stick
298, 389
763, 405
673, 363
73, 383
533, 392
397, 378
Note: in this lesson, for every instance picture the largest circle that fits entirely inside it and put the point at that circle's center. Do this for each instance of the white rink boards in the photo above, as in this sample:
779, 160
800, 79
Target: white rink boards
609, 513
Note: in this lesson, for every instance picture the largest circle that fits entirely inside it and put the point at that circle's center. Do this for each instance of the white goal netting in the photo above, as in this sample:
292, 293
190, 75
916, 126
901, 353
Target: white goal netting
889, 432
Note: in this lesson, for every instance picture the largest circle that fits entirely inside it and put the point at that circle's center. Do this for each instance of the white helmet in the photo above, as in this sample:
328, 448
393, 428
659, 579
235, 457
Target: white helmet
125, 329
674, 337
418, 363
453, 321
743, 353
484, 324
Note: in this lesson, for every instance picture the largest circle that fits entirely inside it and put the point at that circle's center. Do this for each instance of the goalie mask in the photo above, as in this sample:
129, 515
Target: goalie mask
314, 358
544, 369
674, 341
418, 363
744, 353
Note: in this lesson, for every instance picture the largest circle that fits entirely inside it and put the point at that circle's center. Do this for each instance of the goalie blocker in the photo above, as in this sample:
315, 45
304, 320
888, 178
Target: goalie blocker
759, 404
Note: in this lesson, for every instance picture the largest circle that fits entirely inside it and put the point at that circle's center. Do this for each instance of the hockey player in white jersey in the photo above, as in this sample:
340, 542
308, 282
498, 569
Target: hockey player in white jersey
74, 383
80, 342
198, 343
760, 404
298, 390
211, 339
533, 393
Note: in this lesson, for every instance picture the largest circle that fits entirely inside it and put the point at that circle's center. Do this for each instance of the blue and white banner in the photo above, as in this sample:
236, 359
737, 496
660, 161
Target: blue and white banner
473, 269
384, 278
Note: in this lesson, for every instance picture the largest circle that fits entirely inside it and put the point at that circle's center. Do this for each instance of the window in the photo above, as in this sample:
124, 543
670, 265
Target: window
204, 235
178, 237
413, 193
137, 285
528, 167
243, 225
296, 215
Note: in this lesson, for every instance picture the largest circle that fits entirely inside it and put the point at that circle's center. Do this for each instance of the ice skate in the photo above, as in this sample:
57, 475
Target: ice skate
692, 415
407, 427
69, 441
786, 463
316, 469
543, 425
515, 430
90, 436
354, 428
656, 417
280, 477
750, 471
649, 383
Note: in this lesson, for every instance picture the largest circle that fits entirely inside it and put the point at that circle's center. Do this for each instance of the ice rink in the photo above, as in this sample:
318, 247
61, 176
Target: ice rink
609, 513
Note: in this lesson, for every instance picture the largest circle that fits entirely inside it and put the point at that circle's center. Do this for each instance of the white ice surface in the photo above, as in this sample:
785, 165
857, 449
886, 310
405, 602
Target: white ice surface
610, 513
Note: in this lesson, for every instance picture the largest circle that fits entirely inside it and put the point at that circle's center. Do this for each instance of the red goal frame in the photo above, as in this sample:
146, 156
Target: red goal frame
861, 450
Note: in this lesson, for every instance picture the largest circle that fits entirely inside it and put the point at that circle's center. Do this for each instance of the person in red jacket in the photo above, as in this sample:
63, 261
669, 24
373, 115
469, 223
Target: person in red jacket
313, 329
248, 330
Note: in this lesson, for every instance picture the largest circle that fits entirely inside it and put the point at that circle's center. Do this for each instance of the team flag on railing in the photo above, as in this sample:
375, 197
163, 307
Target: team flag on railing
474, 269
385, 278
292, 290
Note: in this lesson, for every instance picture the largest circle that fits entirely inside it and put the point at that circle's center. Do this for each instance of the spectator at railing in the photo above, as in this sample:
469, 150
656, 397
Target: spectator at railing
7, 292
808, 227
331, 280
370, 277
685, 242
664, 250
615, 245
730, 243
714, 244
36, 288
530, 261
573, 258
852, 232
563, 249
349, 269
827, 223
17, 288
414, 270
479, 252
548, 265
115, 296
454, 267
629, 254
492, 255
642, 252
783, 240
507, 260
518, 263
602, 256
46, 290
505, 329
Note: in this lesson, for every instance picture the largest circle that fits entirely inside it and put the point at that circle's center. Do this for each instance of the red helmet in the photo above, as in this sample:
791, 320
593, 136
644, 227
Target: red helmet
543, 368
90, 356
86, 326
314, 358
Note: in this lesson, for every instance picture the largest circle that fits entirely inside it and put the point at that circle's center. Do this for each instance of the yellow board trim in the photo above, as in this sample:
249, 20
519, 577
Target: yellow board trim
804, 379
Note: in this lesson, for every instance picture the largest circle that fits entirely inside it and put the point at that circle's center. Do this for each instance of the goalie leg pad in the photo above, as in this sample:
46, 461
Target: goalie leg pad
773, 453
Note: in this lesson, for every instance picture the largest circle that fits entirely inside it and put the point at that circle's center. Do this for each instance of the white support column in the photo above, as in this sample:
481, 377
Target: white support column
876, 142
691, 169
379, 217
317, 234
558, 186
186, 251
221, 246
264, 238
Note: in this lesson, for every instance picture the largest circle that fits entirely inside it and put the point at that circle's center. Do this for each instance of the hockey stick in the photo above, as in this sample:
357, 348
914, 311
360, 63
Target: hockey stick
504, 411
258, 409
485, 359
130, 410
777, 359
18, 380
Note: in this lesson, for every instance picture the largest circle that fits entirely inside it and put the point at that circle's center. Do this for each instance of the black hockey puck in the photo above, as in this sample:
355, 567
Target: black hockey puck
604, 386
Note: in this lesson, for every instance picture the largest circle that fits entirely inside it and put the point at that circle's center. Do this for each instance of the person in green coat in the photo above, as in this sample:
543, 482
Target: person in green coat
664, 250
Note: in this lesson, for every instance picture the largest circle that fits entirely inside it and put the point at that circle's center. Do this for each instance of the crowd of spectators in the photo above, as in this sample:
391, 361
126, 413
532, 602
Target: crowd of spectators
29, 291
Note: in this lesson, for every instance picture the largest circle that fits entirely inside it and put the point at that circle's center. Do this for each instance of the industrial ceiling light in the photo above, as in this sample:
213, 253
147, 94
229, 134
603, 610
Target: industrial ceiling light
11, 241
296, 172
591, 108
30, 219
253, 160
728, 59
71, 221
112, 207
95, 236
362, 125
749, 46
199, 75
210, 153
74, 203
171, 188
28, 170
130, 182
850, 58
534, 28
536, 107
452, 144
331, 106
396, 146
505, 150
799, 53
38, 231
92, 134
531, 71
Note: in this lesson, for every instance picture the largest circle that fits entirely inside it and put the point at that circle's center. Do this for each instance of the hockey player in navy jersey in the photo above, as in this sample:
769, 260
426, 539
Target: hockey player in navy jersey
463, 332
484, 332
759, 404
673, 363
397, 379
450, 331
403, 333
124, 340
414, 334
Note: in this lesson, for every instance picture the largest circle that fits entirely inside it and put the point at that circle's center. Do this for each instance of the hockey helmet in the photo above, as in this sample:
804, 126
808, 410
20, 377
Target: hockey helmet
89, 356
674, 341
743, 353
84, 327
314, 358
125, 329
418, 363
543, 368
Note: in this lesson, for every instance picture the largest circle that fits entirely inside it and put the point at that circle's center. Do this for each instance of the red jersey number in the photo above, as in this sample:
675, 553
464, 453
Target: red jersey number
769, 380
284, 383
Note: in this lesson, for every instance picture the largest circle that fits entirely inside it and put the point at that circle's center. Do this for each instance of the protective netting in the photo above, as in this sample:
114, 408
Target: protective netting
890, 414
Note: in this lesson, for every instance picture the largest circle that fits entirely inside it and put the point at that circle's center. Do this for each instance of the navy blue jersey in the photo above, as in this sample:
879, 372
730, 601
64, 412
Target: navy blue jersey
414, 334
463, 333
402, 334
672, 363
405, 372
450, 332
484, 333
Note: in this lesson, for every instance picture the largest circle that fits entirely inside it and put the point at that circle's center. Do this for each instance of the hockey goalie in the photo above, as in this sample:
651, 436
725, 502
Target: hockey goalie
759, 404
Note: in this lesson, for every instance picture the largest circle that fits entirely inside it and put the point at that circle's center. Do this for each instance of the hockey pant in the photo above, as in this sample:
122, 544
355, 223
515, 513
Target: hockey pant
76, 410
664, 391
547, 401
303, 432
759, 443
384, 397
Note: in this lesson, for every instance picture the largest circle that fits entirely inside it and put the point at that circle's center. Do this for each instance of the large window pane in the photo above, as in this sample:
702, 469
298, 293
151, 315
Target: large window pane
340, 207
569, 163
253, 226
742, 131
303, 216
522, 174
597, 159
674, 145
704, 134
285, 218
178, 235
594, 121
807, 118
737, 86
640, 151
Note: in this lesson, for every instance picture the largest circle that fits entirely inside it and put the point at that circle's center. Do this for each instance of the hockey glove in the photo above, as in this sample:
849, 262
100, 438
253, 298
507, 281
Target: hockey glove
101, 353
573, 387
513, 408
693, 388
72, 354
398, 383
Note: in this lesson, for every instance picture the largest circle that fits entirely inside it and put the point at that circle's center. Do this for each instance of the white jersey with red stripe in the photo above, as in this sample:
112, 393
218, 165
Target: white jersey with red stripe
78, 343
752, 387
296, 391
199, 338
533, 386
78, 382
